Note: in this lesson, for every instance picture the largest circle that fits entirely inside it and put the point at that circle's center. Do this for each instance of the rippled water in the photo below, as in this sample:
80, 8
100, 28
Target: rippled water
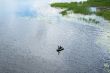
30, 32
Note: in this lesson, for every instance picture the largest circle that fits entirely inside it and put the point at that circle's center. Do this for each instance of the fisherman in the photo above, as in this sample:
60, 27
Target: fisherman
60, 48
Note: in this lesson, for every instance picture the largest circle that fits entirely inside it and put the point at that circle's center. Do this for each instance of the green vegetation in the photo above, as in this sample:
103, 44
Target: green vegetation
104, 13
73, 6
103, 7
98, 3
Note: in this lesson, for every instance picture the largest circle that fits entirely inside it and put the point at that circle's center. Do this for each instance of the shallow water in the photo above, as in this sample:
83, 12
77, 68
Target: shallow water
30, 32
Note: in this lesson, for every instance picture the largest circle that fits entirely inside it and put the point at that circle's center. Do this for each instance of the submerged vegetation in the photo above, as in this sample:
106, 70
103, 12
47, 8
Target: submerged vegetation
89, 20
102, 7
107, 67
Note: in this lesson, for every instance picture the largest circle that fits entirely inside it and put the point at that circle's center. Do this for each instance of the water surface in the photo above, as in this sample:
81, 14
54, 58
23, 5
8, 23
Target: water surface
30, 32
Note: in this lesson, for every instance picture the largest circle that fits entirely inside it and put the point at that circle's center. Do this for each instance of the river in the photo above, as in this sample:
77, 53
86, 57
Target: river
31, 30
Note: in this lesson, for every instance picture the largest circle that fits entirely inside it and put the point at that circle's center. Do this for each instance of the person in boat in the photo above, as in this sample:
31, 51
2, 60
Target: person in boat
60, 48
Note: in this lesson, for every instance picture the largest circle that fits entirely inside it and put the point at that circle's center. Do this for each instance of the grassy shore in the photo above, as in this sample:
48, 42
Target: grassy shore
73, 6
84, 7
104, 13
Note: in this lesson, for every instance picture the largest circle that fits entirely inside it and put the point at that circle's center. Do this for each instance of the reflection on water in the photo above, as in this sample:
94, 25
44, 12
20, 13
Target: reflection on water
93, 9
26, 12
30, 32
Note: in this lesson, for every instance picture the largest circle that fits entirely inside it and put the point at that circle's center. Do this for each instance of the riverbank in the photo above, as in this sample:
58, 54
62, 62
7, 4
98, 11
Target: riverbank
102, 8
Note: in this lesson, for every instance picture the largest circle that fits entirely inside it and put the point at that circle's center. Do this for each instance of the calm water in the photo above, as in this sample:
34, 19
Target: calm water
30, 32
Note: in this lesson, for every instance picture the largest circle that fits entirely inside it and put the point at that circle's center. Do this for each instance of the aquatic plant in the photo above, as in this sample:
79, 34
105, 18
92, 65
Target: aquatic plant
107, 67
